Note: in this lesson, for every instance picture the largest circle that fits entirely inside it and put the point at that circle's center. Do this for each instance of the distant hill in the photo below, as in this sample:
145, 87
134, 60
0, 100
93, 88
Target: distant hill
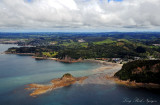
88, 36
144, 71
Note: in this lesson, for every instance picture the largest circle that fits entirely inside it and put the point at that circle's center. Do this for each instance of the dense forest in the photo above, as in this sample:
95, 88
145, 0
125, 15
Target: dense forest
145, 71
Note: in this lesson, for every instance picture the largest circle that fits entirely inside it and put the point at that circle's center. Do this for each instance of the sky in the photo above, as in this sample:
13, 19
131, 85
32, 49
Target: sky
79, 15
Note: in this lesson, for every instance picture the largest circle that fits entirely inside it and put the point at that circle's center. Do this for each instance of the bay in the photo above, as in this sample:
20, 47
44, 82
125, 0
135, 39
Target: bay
17, 71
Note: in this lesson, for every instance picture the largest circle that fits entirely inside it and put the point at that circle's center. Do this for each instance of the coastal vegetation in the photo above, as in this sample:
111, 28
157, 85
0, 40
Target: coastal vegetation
141, 71
74, 47
138, 52
108, 48
129, 45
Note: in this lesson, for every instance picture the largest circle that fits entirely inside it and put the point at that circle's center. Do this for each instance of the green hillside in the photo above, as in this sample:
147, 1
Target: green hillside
145, 71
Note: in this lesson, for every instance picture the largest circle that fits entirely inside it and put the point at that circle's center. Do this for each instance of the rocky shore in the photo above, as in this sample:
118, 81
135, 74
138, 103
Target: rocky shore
137, 85
59, 60
43, 58
65, 80
133, 84
69, 61
101, 76
68, 79
109, 69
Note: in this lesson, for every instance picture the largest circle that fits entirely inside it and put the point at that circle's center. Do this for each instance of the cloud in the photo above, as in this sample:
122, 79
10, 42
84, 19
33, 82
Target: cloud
80, 15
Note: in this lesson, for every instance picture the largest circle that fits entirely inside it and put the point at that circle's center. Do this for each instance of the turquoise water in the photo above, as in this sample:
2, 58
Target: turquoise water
17, 71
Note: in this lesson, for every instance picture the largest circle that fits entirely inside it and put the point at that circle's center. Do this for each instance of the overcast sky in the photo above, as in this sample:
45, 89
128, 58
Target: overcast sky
80, 15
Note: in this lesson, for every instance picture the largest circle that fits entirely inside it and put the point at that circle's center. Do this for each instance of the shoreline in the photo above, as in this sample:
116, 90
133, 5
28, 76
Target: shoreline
113, 67
105, 72
133, 84
43, 58
29, 54
107, 68
56, 59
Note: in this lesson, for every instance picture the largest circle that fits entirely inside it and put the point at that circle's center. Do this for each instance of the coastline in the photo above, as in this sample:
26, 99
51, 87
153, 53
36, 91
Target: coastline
56, 59
106, 68
39, 89
133, 84
44, 58
29, 54
105, 72
112, 68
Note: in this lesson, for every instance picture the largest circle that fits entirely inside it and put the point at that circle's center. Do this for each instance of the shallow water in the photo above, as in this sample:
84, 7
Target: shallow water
17, 71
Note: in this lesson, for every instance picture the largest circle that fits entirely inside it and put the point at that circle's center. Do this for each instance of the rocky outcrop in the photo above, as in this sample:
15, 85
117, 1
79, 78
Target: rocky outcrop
65, 80
68, 59
134, 84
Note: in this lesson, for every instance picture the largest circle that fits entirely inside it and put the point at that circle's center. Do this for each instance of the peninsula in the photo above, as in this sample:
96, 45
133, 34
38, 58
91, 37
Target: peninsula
140, 73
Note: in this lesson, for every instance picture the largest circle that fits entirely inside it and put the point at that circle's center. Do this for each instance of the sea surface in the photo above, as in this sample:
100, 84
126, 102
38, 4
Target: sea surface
17, 71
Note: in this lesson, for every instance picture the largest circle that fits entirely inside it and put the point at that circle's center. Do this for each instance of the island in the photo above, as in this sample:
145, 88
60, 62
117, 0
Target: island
66, 80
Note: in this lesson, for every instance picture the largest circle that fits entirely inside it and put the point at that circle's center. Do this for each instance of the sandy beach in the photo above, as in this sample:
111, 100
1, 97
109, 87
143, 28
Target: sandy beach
106, 72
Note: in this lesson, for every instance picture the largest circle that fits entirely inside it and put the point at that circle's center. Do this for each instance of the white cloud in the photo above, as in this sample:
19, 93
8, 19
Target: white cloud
79, 15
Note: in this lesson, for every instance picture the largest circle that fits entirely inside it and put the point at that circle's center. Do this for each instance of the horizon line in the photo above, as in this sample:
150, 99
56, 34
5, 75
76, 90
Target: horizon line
84, 32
